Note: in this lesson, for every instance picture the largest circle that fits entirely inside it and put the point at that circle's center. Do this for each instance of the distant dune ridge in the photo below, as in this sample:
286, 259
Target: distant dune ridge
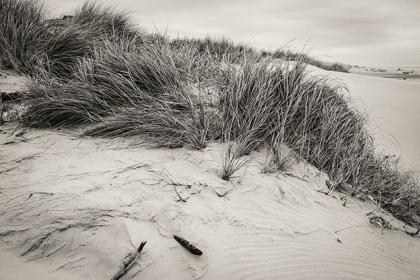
231, 163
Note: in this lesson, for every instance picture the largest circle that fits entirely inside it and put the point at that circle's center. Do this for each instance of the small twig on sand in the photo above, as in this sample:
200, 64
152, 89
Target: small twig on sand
373, 211
321, 191
290, 174
30, 195
349, 228
249, 190
177, 193
170, 181
127, 264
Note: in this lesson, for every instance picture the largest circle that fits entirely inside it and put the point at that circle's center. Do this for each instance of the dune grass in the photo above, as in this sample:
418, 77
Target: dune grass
22, 32
288, 55
105, 21
33, 45
231, 161
116, 82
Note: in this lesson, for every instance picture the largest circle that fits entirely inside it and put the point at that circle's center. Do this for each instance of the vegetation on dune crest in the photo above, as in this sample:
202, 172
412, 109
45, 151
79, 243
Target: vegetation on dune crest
105, 21
287, 55
97, 70
30, 43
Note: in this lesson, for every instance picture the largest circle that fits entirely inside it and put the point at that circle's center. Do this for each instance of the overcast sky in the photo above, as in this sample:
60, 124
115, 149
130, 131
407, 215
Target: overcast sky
377, 33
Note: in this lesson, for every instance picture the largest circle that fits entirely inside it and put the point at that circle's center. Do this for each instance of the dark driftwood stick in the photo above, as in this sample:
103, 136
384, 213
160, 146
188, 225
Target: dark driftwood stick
127, 264
194, 250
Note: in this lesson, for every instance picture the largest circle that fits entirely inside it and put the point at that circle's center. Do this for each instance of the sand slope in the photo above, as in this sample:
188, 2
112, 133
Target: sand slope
394, 107
74, 208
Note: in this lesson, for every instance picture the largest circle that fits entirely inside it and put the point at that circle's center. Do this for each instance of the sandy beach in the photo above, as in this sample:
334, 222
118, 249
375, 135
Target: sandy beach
393, 107
400, 73
75, 208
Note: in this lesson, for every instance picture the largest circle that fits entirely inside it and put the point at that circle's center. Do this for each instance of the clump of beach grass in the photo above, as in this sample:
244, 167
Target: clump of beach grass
129, 91
105, 21
22, 32
231, 161
30, 42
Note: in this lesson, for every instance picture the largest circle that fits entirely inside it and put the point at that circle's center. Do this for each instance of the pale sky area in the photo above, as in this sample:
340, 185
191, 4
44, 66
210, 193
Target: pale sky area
375, 33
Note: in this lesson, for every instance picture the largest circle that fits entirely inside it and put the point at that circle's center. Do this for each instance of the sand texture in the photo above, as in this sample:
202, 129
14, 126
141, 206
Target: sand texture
10, 81
75, 208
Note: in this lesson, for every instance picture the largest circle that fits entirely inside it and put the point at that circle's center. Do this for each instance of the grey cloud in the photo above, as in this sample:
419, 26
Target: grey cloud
346, 30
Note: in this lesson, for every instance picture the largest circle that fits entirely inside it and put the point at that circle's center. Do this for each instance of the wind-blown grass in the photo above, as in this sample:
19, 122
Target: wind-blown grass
187, 92
30, 43
140, 91
22, 32
105, 21
62, 51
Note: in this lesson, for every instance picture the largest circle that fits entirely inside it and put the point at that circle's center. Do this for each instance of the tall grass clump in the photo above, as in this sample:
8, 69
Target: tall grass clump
91, 26
22, 33
62, 52
255, 102
147, 90
105, 21
31, 44
51, 103
159, 96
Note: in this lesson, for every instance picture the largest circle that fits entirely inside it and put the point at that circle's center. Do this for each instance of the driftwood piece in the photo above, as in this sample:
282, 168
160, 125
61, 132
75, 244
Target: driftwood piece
127, 264
194, 250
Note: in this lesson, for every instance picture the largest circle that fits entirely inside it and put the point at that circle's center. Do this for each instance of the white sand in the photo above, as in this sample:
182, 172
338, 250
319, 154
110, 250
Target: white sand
73, 208
95, 200
394, 109
10, 82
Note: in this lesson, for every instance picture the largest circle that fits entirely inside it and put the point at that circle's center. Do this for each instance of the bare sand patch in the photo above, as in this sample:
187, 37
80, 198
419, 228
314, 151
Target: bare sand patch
393, 107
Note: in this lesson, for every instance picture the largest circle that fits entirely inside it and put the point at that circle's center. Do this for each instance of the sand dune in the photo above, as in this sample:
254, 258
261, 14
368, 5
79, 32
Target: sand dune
74, 208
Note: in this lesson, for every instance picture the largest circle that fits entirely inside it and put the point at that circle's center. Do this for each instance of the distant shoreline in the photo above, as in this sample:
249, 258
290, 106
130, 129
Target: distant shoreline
389, 72
389, 75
